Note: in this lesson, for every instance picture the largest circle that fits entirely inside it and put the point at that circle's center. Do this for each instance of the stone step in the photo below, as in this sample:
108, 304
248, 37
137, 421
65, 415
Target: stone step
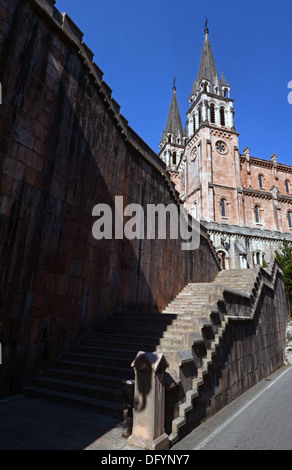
170, 343
103, 407
93, 391
148, 330
102, 378
102, 368
189, 303
128, 335
175, 334
132, 343
101, 350
109, 357
183, 322
139, 316
139, 323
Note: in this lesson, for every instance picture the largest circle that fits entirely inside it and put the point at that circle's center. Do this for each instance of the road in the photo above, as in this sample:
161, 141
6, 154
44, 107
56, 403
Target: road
261, 419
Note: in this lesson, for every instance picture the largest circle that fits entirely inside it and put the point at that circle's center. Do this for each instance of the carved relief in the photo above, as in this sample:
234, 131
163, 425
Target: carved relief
194, 153
221, 147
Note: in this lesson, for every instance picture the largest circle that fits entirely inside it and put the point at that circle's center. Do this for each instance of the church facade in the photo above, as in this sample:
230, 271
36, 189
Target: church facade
245, 202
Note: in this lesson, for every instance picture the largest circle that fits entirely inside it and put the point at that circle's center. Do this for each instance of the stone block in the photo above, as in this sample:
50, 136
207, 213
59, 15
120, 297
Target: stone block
24, 137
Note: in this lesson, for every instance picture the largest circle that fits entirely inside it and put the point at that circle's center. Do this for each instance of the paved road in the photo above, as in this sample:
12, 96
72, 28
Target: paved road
261, 419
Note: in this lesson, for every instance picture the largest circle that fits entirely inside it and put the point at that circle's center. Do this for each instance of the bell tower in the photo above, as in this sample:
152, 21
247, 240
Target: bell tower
173, 139
211, 154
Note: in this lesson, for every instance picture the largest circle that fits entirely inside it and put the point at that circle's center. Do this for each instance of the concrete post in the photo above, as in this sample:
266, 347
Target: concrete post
149, 402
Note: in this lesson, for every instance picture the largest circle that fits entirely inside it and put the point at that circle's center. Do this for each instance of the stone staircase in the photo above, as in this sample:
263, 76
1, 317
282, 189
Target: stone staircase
201, 320
90, 375
198, 316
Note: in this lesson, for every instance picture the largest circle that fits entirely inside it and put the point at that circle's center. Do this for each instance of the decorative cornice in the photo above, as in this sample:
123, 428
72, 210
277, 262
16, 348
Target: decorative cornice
247, 232
266, 164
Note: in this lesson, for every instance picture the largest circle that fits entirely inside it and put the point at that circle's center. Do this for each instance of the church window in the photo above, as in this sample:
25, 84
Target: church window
257, 213
223, 207
200, 116
225, 92
287, 187
222, 116
258, 257
222, 257
174, 158
194, 124
169, 138
260, 179
212, 113
289, 215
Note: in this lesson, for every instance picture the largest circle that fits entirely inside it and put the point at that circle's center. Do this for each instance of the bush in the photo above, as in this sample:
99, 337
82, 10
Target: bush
285, 259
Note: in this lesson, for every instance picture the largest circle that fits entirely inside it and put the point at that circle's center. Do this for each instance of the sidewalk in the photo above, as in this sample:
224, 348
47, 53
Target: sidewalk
32, 424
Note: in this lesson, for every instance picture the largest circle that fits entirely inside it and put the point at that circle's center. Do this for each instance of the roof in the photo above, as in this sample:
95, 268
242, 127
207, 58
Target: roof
174, 125
208, 69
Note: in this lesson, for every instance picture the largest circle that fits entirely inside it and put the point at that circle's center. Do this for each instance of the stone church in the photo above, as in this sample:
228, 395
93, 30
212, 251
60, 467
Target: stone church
245, 202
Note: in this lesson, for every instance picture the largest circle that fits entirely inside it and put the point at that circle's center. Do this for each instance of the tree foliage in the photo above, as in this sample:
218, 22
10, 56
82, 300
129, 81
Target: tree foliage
285, 259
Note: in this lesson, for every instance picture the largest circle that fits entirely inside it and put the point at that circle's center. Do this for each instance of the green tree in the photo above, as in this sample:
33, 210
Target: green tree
285, 259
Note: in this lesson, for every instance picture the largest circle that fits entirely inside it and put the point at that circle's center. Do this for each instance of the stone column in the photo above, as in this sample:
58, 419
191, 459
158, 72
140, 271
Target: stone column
149, 402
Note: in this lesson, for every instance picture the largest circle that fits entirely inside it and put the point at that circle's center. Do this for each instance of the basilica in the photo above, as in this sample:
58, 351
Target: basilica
245, 202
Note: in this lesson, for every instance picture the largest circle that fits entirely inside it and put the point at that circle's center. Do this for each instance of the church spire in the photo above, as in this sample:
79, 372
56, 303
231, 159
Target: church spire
173, 137
173, 127
208, 69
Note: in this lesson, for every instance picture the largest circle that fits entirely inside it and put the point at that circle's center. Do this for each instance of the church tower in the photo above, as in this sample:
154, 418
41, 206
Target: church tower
244, 202
174, 138
211, 167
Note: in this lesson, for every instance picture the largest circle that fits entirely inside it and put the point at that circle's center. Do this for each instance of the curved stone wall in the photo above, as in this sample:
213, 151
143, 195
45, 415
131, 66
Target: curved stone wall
65, 147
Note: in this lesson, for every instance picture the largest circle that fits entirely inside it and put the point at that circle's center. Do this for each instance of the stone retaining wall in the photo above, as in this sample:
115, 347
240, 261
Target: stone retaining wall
65, 147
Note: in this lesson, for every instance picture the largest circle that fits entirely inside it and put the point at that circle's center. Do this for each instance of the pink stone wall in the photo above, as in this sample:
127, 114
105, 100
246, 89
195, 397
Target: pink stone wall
64, 148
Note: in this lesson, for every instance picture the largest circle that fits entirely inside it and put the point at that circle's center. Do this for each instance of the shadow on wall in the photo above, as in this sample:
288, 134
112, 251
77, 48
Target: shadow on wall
54, 276
62, 154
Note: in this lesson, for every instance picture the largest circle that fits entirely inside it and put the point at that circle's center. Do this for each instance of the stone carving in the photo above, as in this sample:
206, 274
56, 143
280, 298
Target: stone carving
221, 147
194, 153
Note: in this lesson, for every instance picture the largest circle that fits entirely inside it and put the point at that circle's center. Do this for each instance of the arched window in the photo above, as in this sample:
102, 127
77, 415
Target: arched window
212, 114
258, 257
222, 116
222, 257
257, 213
260, 179
287, 186
194, 124
289, 215
205, 87
174, 158
225, 92
200, 116
223, 207
169, 138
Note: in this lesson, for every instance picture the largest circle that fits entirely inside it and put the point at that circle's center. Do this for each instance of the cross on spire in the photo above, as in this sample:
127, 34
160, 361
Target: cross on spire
206, 30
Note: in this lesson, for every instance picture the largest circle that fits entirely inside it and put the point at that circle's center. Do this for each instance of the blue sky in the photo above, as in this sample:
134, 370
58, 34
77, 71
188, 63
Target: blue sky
141, 45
